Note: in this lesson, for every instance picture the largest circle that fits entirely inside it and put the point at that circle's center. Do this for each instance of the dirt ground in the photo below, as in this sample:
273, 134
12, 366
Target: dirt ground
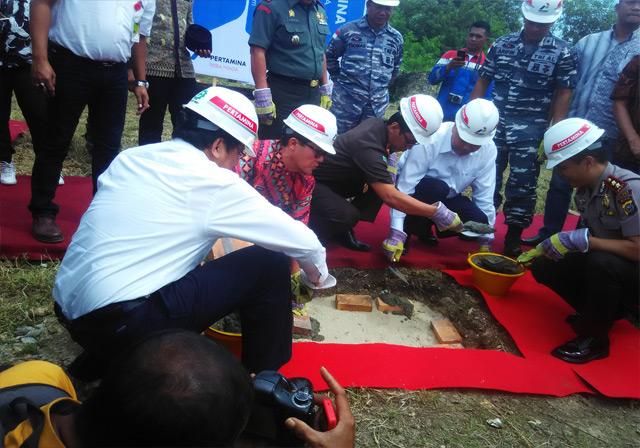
434, 418
464, 307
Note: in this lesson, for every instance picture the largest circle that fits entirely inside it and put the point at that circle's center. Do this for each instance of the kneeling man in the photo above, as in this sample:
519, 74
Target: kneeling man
133, 266
459, 155
281, 170
595, 269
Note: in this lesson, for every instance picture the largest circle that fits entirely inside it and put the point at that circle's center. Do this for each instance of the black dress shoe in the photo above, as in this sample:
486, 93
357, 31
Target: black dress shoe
349, 240
583, 349
532, 240
45, 229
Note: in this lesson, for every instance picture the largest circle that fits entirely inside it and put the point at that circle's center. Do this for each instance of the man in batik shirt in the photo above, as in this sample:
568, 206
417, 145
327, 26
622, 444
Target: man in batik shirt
281, 170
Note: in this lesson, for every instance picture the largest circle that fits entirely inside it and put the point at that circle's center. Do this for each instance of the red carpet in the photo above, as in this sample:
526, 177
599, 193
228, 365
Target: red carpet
532, 314
17, 128
450, 253
15, 219
534, 317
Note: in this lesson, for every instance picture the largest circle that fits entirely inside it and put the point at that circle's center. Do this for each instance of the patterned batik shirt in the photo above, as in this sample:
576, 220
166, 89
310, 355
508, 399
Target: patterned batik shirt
267, 174
15, 42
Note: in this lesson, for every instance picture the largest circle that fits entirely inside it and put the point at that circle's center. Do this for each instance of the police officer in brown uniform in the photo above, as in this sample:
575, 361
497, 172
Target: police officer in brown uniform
288, 65
595, 269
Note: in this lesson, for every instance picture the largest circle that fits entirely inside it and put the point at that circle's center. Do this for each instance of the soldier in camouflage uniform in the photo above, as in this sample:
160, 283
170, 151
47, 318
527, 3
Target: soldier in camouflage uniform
371, 52
15, 78
530, 69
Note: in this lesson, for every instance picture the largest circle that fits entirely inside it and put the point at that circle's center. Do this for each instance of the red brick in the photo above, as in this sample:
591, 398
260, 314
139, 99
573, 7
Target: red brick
383, 307
302, 325
448, 346
354, 302
445, 332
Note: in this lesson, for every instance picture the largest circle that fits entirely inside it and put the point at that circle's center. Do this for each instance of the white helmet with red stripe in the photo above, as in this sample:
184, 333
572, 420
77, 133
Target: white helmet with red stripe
229, 110
316, 124
542, 11
567, 138
476, 121
423, 114
386, 2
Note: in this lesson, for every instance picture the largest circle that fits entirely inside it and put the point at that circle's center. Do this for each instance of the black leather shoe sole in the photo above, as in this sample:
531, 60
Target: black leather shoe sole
532, 241
577, 353
49, 239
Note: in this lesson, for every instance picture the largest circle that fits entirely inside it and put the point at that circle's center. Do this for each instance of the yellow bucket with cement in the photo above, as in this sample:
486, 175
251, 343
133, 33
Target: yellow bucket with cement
494, 283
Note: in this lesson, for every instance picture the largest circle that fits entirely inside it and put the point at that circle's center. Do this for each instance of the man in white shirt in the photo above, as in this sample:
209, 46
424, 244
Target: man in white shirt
458, 155
80, 54
132, 267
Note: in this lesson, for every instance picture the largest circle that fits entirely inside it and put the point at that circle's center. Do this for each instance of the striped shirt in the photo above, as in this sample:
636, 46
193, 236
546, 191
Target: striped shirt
601, 59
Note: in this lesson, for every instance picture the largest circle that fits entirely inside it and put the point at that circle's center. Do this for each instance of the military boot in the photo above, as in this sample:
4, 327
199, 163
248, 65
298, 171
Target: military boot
512, 242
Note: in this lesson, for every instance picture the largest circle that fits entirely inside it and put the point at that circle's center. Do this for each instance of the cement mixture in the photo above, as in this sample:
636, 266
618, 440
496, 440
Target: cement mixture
358, 327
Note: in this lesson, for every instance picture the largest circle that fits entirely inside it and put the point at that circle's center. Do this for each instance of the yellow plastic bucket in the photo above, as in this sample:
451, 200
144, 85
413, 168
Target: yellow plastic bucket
493, 283
231, 341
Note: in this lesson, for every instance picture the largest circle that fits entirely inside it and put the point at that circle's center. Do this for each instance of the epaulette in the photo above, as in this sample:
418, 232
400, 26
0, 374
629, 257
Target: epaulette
614, 184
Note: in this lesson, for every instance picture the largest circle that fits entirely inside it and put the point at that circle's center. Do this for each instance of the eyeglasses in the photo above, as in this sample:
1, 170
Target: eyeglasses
317, 152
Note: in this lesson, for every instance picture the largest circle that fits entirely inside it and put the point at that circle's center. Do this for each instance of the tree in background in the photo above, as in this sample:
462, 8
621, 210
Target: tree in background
582, 17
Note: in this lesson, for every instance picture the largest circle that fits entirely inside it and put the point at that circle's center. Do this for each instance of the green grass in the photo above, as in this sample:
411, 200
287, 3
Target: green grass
25, 293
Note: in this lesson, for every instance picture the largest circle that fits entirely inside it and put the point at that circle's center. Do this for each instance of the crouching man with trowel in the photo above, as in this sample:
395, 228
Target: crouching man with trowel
352, 184
458, 155
133, 265
595, 269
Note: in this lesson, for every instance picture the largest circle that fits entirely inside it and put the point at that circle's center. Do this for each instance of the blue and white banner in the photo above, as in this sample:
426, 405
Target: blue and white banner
230, 24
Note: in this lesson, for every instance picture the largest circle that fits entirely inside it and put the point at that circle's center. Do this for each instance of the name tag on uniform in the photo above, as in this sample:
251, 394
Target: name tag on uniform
510, 50
540, 56
542, 68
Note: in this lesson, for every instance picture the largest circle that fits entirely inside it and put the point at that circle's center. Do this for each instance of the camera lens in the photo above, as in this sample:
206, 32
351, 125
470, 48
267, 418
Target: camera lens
302, 398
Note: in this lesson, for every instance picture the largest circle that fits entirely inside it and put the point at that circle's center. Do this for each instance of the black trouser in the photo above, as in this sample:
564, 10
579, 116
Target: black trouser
332, 215
163, 92
287, 95
80, 82
430, 190
598, 285
32, 102
254, 281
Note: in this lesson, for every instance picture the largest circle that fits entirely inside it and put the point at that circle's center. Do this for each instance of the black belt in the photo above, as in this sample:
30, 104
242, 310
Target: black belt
60, 50
108, 312
305, 82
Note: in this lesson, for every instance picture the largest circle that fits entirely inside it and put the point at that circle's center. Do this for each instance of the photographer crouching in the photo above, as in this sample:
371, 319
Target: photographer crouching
174, 388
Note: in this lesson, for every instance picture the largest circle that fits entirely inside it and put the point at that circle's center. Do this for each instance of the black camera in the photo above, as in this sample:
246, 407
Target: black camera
276, 399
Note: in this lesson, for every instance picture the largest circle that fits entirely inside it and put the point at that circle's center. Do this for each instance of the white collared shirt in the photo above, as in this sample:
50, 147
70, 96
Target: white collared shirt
438, 160
102, 30
158, 210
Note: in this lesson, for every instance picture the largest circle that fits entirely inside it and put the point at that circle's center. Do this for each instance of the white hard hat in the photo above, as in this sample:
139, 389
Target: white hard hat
316, 124
567, 138
477, 121
229, 110
386, 2
423, 114
542, 11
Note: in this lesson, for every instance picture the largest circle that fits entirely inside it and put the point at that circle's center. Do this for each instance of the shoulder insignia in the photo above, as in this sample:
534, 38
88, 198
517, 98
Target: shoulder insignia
614, 184
629, 207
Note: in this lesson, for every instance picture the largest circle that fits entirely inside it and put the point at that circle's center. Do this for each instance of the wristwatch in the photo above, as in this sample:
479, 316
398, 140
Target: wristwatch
142, 83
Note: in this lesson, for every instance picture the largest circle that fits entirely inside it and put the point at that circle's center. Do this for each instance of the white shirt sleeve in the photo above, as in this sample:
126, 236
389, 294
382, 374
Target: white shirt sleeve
414, 167
147, 17
239, 211
484, 185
